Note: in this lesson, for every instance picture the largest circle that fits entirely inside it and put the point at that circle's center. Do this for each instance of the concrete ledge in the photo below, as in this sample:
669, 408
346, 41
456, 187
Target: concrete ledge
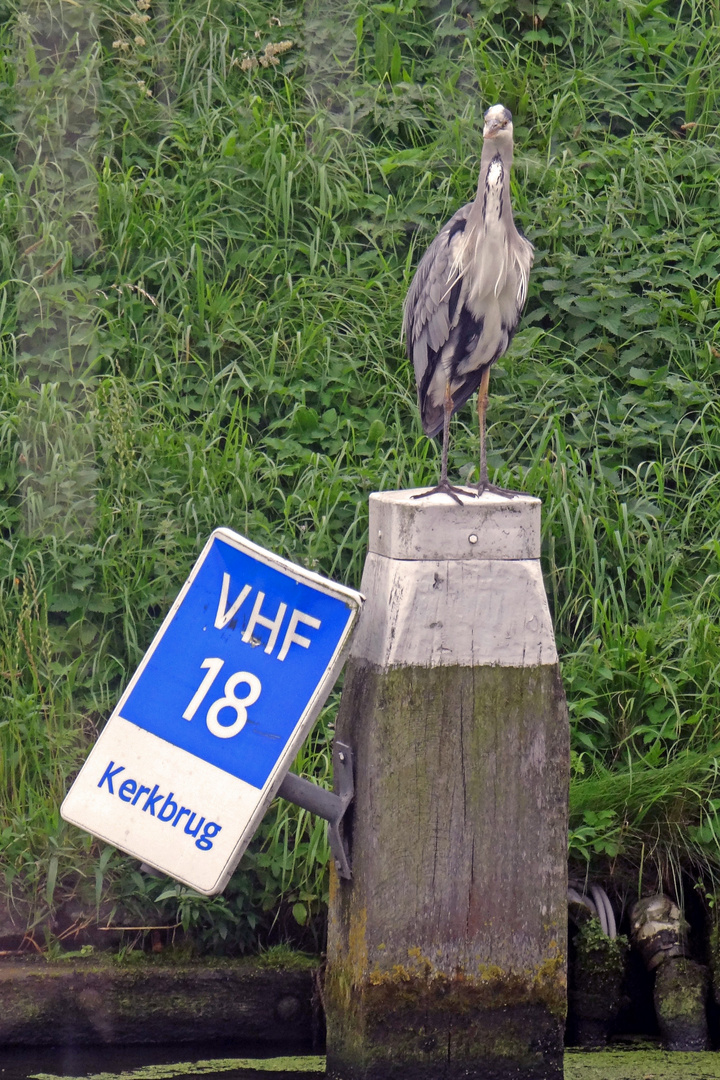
86, 1002
435, 527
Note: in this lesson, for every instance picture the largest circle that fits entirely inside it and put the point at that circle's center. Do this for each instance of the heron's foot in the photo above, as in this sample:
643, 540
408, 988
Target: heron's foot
446, 488
485, 485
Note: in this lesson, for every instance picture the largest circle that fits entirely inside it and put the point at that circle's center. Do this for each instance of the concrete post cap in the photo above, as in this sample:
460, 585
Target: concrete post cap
435, 527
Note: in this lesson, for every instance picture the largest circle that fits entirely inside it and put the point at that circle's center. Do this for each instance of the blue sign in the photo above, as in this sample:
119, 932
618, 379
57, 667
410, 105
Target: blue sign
238, 662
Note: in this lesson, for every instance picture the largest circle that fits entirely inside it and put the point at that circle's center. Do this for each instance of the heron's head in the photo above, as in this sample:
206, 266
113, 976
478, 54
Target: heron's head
498, 120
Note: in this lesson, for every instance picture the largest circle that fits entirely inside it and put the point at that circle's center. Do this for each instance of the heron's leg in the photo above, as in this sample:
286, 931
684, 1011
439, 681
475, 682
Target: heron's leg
484, 483
444, 487
447, 414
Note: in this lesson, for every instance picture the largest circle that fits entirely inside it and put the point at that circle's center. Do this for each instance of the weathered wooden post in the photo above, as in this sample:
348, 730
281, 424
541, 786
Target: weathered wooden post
447, 949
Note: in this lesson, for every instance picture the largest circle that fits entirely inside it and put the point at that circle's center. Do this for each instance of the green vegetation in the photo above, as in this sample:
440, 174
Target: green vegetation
206, 239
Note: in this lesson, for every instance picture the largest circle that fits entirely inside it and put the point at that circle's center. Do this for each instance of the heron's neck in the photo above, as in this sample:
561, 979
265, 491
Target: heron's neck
494, 180
492, 202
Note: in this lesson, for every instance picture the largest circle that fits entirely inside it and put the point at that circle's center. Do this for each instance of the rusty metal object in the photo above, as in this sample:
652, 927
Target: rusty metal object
658, 930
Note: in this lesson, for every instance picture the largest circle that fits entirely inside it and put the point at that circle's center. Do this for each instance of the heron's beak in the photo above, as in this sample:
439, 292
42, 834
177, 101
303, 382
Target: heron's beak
493, 127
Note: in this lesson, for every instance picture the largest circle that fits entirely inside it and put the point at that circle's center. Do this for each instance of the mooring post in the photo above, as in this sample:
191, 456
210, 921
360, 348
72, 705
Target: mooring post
447, 949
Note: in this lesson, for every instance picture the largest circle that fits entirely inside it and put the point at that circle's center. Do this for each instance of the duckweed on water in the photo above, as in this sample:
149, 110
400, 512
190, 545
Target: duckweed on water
641, 1065
579, 1065
204, 1068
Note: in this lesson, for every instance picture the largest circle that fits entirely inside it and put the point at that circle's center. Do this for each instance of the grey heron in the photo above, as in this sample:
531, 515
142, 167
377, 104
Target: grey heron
465, 300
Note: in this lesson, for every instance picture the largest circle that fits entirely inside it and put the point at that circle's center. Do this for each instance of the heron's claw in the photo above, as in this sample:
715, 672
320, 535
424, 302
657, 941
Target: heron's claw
484, 486
445, 488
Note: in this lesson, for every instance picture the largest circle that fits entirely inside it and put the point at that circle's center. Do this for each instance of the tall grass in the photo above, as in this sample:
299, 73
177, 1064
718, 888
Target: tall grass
219, 344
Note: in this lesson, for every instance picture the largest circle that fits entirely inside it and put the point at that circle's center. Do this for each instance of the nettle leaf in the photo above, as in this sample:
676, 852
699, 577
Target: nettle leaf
305, 420
376, 431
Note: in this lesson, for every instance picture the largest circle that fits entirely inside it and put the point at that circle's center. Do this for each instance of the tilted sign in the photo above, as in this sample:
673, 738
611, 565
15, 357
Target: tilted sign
216, 712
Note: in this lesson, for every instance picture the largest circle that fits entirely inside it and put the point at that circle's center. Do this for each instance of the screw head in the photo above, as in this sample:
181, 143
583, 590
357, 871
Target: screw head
341, 756
473, 538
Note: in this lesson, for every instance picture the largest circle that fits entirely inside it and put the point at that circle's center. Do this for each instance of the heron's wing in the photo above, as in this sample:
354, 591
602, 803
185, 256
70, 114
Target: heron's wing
432, 302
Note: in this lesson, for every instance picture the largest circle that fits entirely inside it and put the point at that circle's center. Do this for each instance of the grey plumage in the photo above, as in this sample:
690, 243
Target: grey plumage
467, 295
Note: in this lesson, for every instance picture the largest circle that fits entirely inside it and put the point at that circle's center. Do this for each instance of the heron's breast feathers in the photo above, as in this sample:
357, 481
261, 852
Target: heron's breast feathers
493, 194
522, 254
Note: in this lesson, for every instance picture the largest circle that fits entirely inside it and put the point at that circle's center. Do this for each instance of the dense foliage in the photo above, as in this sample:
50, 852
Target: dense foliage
210, 215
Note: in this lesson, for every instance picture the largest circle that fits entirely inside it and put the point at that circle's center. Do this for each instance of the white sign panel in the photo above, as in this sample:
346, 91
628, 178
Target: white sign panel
216, 712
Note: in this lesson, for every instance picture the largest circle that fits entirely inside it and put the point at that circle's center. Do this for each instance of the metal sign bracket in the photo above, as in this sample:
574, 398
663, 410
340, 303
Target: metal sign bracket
330, 805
